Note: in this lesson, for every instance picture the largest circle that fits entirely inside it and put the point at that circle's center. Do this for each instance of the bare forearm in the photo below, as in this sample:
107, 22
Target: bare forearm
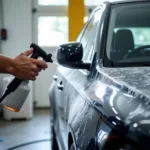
6, 64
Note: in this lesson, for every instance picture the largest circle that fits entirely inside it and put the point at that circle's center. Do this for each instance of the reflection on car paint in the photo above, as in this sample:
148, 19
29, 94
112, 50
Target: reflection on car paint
79, 109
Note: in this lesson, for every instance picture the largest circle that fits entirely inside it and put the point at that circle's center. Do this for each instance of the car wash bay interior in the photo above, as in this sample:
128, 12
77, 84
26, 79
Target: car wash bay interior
47, 23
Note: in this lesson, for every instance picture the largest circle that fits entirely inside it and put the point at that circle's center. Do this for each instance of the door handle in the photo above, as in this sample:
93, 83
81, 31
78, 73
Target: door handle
55, 77
60, 86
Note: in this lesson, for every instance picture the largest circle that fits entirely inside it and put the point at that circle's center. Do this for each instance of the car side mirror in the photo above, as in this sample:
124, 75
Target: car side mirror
70, 55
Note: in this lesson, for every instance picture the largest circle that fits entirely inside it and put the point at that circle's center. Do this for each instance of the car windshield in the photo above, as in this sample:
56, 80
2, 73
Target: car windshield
128, 40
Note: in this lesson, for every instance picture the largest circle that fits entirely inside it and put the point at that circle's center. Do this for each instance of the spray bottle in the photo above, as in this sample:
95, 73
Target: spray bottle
17, 90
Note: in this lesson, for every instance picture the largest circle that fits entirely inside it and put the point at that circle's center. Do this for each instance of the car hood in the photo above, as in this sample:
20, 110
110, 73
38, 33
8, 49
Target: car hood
127, 100
136, 79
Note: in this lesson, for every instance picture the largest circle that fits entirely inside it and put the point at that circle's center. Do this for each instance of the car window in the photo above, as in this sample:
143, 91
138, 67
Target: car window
128, 38
89, 36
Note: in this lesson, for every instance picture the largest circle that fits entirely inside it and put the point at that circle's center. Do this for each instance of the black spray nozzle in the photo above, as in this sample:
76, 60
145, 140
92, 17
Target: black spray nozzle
38, 52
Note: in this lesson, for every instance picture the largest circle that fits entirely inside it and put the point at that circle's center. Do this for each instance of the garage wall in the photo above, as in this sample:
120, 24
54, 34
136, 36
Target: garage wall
18, 21
0, 49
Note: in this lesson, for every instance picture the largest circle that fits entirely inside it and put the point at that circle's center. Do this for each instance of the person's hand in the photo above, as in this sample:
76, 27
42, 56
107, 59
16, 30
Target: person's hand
27, 68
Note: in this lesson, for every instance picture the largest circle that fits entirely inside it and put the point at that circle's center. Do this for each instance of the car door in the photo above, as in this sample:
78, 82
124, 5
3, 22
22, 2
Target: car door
73, 81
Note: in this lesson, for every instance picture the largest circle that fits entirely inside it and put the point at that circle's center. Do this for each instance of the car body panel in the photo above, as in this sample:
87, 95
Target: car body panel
122, 96
104, 95
77, 110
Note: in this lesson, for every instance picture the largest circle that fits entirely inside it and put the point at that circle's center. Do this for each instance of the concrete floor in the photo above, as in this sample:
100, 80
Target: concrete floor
17, 132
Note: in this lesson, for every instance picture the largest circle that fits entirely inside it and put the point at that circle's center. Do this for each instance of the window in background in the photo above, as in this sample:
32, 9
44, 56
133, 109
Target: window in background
52, 21
86, 19
65, 2
52, 31
92, 2
53, 2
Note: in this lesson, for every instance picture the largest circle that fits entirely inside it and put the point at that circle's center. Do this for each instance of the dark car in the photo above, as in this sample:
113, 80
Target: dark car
100, 96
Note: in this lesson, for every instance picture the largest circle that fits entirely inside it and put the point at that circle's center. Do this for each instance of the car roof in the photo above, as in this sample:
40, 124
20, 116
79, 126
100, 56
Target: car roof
124, 1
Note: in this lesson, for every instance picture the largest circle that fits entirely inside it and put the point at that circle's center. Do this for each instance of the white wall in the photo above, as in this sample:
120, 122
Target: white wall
17, 19
0, 50
17, 16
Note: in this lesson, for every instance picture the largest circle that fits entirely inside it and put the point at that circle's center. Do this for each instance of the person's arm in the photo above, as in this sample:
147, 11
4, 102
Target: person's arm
6, 64
22, 66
